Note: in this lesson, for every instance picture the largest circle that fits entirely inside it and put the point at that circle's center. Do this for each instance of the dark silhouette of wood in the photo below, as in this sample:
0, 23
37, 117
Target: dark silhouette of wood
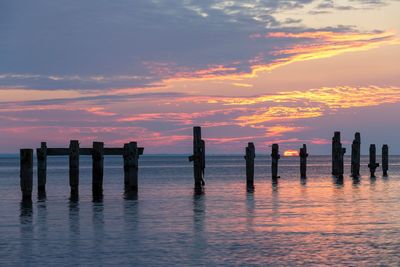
132, 168
26, 173
130, 153
337, 155
41, 168
356, 156
303, 161
372, 160
74, 167
98, 169
274, 162
249, 157
385, 159
198, 159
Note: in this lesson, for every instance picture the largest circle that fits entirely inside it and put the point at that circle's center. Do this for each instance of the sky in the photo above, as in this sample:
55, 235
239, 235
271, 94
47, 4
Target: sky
262, 71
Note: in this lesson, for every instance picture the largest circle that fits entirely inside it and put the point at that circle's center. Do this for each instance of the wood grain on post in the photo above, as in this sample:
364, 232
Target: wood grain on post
97, 169
274, 162
303, 161
198, 159
74, 167
26, 173
42, 167
249, 157
372, 160
356, 156
385, 159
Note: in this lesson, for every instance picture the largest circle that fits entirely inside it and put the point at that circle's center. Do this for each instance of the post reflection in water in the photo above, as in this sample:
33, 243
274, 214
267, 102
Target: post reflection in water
26, 232
98, 231
250, 207
199, 236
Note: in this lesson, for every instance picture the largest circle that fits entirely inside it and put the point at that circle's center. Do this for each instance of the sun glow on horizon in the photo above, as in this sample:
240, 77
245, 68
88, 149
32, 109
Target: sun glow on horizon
291, 153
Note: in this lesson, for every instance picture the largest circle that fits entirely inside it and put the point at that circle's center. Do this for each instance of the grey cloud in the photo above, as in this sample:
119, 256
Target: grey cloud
101, 44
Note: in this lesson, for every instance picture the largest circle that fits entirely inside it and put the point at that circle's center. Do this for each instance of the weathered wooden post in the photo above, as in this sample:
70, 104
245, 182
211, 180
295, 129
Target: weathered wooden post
385, 159
356, 156
98, 169
250, 155
198, 159
274, 162
303, 161
132, 168
126, 166
372, 160
41, 168
74, 167
26, 173
337, 155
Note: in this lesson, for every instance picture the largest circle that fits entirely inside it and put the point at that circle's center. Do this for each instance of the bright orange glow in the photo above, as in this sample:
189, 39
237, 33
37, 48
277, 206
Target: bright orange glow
291, 153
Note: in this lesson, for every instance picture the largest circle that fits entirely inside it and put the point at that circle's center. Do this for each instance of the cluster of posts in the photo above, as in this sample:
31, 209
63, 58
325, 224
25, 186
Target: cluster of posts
131, 152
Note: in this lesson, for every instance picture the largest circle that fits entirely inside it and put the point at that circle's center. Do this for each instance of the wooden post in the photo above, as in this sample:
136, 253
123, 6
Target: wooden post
26, 173
337, 155
385, 159
98, 169
274, 163
126, 166
74, 167
303, 161
249, 157
356, 156
42, 168
372, 160
198, 159
132, 167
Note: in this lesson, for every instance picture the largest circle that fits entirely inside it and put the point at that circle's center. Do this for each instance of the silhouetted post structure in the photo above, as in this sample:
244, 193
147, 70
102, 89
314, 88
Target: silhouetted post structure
385, 159
250, 155
337, 156
356, 156
303, 161
198, 159
372, 160
74, 167
274, 162
26, 173
41, 167
132, 167
98, 169
126, 166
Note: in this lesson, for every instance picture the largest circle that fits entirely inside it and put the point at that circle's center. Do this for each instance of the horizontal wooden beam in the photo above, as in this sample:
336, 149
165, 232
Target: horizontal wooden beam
109, 151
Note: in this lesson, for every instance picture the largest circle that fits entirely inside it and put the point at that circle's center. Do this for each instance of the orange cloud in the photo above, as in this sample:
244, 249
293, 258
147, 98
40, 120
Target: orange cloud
279, 113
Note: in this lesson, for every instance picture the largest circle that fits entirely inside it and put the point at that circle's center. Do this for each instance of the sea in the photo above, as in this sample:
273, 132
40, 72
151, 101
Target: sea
318, 221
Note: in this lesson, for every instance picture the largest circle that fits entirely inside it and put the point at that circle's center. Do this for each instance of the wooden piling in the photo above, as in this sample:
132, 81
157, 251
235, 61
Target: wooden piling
198, 159
337, 155
98, 169
356, 156
126, 166
26, 173
74, 167
372, 160
133, 166
249, 157
274, 162
385, 159
42, 167
303, 161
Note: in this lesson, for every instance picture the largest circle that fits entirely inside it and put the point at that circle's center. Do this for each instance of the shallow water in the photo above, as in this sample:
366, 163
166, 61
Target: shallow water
320, 221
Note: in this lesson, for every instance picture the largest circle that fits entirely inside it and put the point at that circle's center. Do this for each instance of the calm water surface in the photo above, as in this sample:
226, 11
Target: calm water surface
318, 222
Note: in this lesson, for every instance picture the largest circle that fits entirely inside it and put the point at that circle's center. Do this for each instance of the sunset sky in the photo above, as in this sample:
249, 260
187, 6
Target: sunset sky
263, 71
